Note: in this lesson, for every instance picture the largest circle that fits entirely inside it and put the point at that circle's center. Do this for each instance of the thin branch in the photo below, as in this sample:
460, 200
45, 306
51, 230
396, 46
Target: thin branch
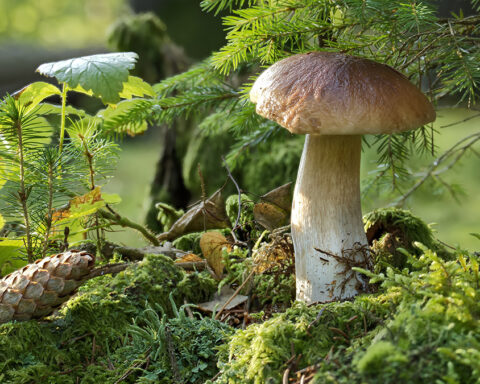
116, 219
432, 171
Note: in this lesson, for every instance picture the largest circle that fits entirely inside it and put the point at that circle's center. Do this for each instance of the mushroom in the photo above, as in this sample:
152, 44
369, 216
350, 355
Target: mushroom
334, 98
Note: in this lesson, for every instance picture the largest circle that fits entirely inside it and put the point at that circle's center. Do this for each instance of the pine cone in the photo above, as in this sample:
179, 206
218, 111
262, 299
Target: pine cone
35, 290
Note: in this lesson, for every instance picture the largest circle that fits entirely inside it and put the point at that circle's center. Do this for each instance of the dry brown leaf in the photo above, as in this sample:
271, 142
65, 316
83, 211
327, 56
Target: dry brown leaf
189, 258
208, 214
212, 244
281, 197
274, 207
269, 215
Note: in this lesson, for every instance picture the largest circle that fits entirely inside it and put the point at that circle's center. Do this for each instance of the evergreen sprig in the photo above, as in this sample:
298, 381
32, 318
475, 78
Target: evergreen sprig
440, 55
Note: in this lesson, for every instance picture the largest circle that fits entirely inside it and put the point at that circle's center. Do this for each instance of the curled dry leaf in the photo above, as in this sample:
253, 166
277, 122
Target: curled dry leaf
281, 197
269, 215
274, 208
208, 214
212, 244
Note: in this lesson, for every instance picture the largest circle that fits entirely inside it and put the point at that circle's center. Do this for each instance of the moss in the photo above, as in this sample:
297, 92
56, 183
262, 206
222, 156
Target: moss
246, 214
98, 316
423, 327
389, 229
190, 342
258, 354
189, 242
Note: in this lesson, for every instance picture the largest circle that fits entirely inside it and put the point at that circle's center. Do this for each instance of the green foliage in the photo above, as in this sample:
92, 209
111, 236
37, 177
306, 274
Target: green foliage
246, 210
421, 327
191, 341
99, 319
102, 74
439, 53
40, 178
259, 353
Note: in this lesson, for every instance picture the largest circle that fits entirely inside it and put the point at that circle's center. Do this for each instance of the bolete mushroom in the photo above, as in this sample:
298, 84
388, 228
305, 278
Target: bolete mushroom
333, 98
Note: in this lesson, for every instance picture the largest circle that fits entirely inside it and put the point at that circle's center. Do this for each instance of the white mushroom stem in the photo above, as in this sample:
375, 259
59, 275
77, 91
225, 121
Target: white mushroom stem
327, 215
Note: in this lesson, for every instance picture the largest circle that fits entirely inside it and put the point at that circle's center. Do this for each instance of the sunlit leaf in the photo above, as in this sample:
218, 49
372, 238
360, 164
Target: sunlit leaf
135, 86
85, 205
33, 94
103, 74
212, 244
80, 89
189, 258
53, 109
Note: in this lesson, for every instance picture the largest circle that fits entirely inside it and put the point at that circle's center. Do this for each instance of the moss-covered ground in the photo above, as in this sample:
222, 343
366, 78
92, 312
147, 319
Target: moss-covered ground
421, 324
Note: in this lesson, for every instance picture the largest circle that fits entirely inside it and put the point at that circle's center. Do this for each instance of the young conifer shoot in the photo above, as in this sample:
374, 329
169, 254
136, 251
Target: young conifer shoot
334, 98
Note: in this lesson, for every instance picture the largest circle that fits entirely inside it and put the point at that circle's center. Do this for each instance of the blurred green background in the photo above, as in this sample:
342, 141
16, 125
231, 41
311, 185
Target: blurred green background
34, 32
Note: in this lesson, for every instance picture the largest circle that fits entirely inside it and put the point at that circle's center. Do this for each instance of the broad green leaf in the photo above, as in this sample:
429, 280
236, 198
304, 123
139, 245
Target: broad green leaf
477, 235
113, 112
53, 109
135, 86
80, 89
10, 251
111, 198
103, 74
2, 222
33, 94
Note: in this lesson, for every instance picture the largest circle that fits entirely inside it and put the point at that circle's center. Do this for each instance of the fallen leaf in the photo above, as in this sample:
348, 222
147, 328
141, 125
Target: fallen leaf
281, 197
212, 244
208, 214
269, 215
189, 258
219, 300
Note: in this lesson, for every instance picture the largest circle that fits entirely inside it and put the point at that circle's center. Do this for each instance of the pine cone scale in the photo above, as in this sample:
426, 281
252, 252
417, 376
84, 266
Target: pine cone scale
36, 289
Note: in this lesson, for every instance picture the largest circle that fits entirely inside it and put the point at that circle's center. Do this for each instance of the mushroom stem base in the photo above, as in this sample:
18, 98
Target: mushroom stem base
327, 227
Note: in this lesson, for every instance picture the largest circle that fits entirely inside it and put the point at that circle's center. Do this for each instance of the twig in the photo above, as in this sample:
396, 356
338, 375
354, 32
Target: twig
469, 141
217, 316
193, 265
116, 219
108, 269
461, 121
239, 211
217, 375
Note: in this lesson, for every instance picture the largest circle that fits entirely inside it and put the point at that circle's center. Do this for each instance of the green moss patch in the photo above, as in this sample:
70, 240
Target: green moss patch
94, 324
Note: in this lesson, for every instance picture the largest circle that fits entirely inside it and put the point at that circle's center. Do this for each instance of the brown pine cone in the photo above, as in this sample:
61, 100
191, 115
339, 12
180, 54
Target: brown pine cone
35, 290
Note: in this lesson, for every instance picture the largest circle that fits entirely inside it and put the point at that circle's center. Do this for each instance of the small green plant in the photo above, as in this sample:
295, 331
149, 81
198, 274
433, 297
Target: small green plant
55, 158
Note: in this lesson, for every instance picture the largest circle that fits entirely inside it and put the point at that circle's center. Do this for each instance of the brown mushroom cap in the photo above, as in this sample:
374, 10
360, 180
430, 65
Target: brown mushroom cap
328, 93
